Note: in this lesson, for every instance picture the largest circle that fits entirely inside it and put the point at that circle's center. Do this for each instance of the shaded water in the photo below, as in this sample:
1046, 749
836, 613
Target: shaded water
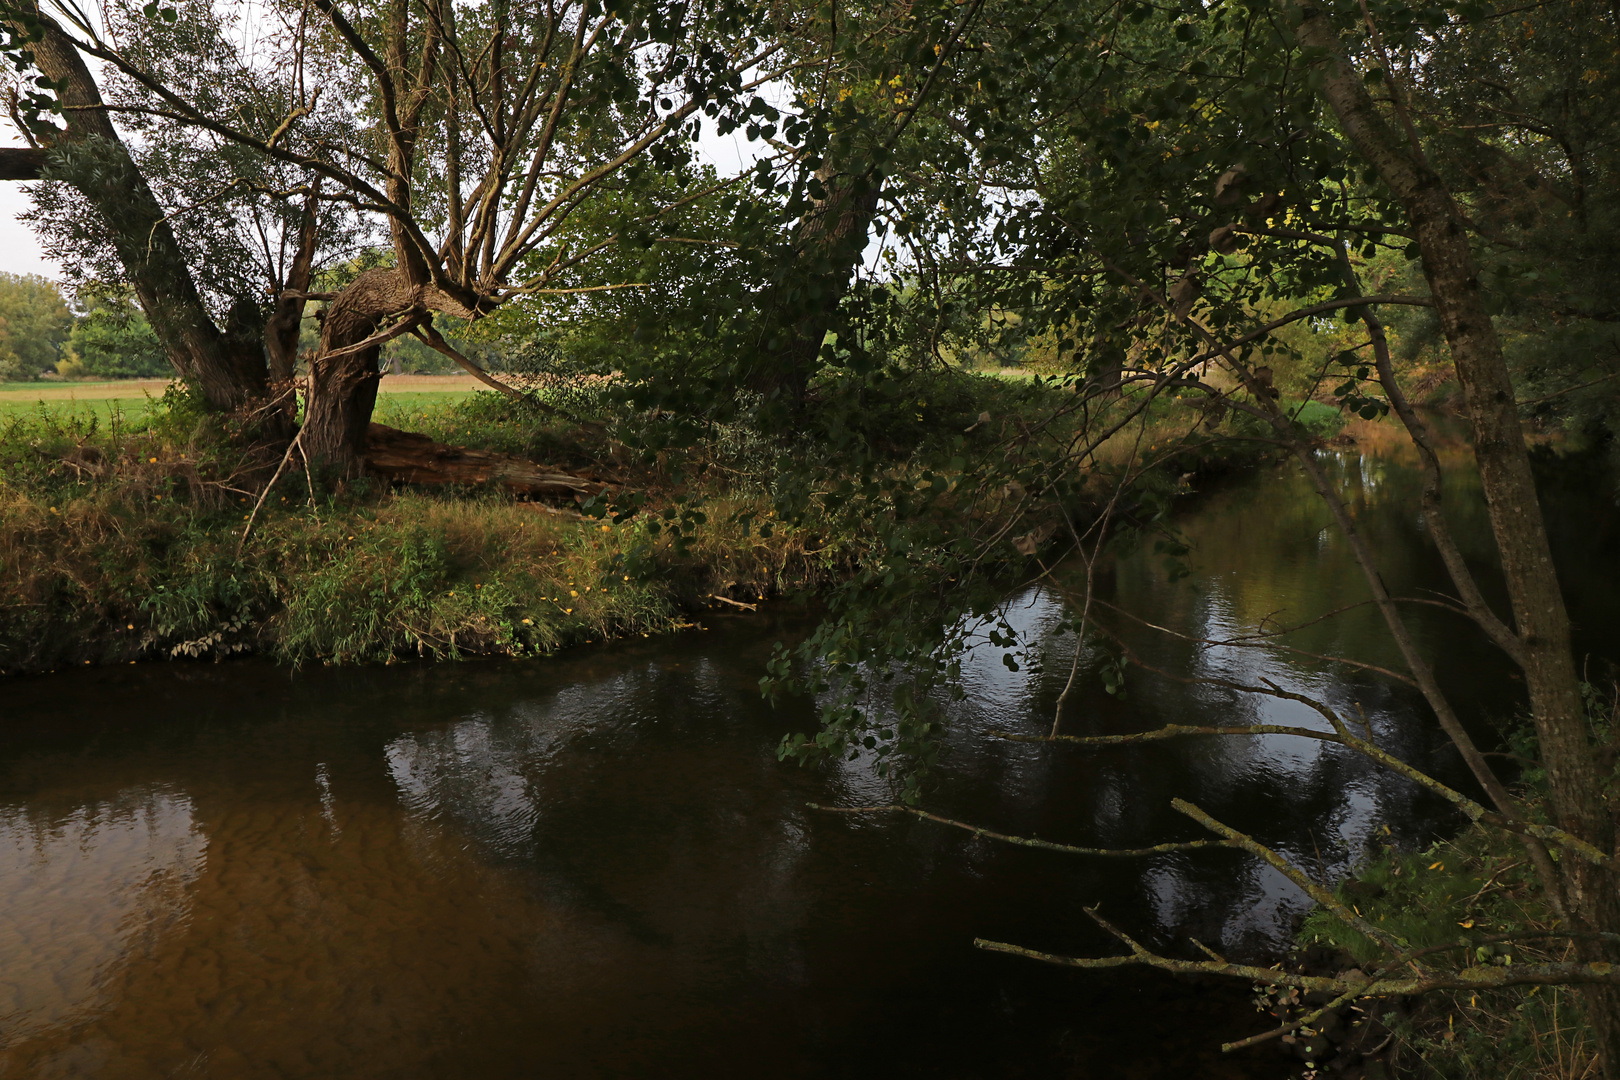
592, 865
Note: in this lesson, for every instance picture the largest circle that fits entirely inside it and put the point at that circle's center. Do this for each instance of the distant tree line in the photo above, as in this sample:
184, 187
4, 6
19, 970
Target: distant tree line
101, 333
98, 331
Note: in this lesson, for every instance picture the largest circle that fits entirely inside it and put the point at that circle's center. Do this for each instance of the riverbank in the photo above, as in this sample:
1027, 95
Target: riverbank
128, 542
130, 539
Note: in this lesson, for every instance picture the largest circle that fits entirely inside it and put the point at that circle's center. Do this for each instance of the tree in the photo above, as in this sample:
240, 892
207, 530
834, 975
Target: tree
874, 91
88, 153
245, 226
752, 296
34, 322
1539, 639
113, 340
1189, 182
485, 127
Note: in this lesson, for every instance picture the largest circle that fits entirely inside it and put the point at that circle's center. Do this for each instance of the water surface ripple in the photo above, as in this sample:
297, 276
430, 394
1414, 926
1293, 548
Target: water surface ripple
593, 865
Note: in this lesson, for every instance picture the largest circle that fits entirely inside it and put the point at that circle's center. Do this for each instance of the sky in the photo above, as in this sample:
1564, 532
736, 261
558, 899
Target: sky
19, 247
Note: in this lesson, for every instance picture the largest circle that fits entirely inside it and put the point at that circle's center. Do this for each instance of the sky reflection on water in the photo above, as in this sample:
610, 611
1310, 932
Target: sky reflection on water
593, 865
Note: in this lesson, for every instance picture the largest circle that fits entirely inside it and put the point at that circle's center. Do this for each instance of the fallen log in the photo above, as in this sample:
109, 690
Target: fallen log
409, 458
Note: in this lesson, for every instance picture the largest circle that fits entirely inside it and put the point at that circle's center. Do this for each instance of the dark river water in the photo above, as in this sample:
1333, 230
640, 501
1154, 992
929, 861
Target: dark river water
592, 865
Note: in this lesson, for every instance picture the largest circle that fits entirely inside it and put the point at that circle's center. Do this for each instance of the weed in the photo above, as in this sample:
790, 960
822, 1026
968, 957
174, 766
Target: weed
1513, 1033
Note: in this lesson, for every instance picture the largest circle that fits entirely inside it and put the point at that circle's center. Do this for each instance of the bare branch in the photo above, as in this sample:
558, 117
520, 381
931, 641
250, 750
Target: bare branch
1023, 841
1471, 978
430, 337
1321, 894
1473, 810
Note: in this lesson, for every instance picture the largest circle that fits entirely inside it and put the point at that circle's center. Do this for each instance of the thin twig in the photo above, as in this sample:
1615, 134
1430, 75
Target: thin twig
265, 494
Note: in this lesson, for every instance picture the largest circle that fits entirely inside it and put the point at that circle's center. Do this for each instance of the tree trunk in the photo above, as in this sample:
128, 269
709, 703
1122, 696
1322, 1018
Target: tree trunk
343, 374
90, 155
416, 459
378, 306
1541, 621
828, 246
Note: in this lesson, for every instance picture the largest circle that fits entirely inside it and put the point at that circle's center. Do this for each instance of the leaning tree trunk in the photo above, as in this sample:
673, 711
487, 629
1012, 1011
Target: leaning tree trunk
377, 306
828, 245
90, 155
1541, 622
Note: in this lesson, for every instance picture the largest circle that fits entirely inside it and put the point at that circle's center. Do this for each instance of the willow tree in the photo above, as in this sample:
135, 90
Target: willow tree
60, 110
474, 132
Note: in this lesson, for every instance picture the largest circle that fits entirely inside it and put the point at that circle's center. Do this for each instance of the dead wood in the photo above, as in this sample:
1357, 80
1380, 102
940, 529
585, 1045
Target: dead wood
409, 458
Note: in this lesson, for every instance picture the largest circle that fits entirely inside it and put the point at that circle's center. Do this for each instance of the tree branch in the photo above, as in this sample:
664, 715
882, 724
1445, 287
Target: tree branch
1023, 841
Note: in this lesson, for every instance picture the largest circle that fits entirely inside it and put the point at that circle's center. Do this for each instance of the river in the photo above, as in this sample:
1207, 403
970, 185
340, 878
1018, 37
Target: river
593, 865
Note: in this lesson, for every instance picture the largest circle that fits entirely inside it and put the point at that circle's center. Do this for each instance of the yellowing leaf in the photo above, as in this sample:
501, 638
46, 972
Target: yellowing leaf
1437, 866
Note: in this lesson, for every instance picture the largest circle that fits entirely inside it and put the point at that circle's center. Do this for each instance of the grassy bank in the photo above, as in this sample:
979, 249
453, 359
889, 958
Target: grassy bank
96, 579
122, 540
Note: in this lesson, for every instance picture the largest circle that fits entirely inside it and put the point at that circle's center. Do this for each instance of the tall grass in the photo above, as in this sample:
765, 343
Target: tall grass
122, 539
122, 543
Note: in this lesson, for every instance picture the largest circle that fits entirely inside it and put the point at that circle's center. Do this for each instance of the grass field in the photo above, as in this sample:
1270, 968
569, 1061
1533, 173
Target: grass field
401, 407
402, 396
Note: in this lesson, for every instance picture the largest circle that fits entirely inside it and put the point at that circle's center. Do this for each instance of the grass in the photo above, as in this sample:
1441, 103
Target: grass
125, 542
397, 397
121, 530
115, 387
125, 399
406, 408
91, 576
106, 409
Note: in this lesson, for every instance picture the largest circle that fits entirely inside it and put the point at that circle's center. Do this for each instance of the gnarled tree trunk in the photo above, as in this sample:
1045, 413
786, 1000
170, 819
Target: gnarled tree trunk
377, 306
343, 374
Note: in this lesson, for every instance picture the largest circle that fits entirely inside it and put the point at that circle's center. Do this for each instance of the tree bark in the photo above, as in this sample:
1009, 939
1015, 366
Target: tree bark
21, 162
343, 374
286, 320
409, 458
828, 245
91, 156
1541, 622
378, 306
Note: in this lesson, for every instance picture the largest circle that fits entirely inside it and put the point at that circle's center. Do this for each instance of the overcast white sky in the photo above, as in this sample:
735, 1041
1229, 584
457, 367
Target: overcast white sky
19, 248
